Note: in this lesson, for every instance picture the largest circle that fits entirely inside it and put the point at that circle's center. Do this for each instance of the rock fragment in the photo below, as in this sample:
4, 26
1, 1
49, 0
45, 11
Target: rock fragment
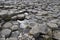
12, 38
41, 28
52, 25
15, 34
7, 25
57, 35
6, 32
14, 27
21, 16
2, 38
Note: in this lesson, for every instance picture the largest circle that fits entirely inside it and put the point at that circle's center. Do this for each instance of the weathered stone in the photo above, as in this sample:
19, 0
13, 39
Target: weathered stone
11, 6
12, 38
23, 10
14, 27
42, 13
45, 36
41, 28
28, 17
57, 35
54, 21
15, 34
2, 38
14, 22
6, 32
0, 25
52, 25
3, 12
21, 16
7, 25
22, 23
14, 17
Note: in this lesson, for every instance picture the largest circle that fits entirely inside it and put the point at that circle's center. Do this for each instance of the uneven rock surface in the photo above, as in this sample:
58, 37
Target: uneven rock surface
29, 19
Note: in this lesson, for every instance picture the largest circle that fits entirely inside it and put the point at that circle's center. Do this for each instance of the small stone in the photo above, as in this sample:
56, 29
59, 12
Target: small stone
22, 23
52, 25
2, 38
14, 22
14, 17
6, 32
41, 28
41, 13
54, 21
3, 12
34, 11
7, 25
22, 10
21, 16
15, 34
0, 25
26, 14
12, 38
14, 27
45, 36
8, 6
28, 17
57, 35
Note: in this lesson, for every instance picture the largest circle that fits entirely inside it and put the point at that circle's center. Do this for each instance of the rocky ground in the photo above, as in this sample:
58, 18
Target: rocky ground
29, 19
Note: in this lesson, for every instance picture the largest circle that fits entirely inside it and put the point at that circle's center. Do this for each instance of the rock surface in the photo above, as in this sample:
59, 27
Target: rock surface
6, 32
30, 19
7, 25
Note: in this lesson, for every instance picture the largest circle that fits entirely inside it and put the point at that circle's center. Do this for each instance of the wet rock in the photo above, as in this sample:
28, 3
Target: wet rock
14, 27
15, 34
7, 25
6, 32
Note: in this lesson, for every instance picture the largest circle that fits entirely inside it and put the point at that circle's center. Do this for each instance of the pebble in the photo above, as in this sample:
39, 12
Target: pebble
41, 28
14, 17
57, 35
12, 38
6, 32
52, 25
14, 27
7, 25
2, 38
15, 34
21, 16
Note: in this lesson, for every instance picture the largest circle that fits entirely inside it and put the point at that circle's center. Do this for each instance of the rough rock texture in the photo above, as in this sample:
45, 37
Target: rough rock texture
6, 32
30, 19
